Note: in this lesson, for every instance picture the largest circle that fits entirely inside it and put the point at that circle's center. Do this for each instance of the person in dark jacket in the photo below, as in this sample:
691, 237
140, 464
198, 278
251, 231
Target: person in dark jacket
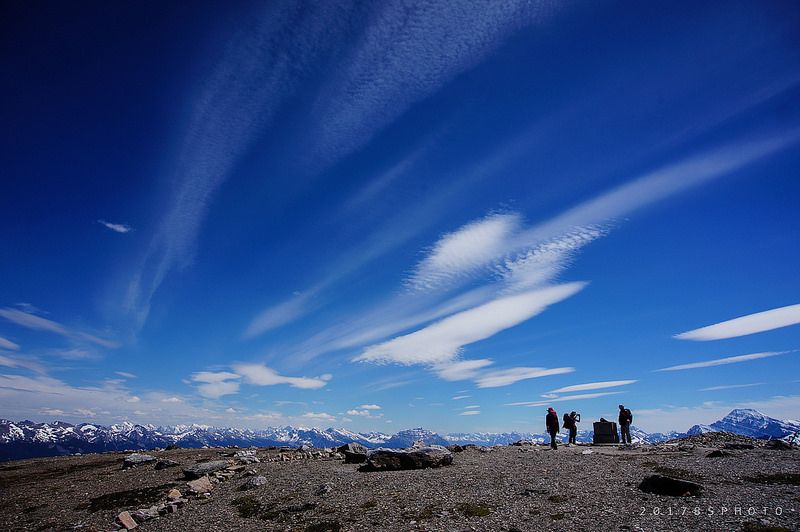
571, 423
625, 420
551, 420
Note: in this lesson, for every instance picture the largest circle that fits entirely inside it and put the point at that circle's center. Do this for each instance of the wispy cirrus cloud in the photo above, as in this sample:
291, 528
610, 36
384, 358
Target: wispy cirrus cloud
406, 53
463, 252
261, 375
745, 325
216, 384
730, 387
442, 341
576, 397
17, 361
38, 323
117, 228
125, 374
8, 344
461, 370
258, 71
592, 386
724, 361
321, 416
505, 377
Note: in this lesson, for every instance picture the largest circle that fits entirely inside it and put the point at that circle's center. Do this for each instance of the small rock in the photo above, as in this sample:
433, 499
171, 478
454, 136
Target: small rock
587, 451
719, 453
253, 483
324, 489
171, 447
250, 473
661, 485
204, 468
164, 463
455, 448
200, 485
174, 494
135, 459
126, 520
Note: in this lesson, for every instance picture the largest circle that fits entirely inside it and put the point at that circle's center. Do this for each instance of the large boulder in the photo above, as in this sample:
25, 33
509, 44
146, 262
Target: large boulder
204, 468
354, 453
200, 485
661, 485
136, 459
414, 458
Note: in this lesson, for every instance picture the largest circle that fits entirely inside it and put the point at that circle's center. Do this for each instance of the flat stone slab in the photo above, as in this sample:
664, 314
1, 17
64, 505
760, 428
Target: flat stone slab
204, 468
661, 485
414, 458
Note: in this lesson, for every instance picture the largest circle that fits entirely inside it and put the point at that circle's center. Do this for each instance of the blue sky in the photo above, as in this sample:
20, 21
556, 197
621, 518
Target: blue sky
442, 214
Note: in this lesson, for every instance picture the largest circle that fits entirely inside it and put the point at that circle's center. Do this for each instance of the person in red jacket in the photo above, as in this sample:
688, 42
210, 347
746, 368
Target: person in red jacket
551, 420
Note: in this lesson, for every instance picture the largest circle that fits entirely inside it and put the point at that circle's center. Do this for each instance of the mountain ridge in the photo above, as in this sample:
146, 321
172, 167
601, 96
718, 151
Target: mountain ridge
27, 439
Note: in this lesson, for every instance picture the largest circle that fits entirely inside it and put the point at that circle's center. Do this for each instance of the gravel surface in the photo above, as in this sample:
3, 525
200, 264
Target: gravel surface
508, 488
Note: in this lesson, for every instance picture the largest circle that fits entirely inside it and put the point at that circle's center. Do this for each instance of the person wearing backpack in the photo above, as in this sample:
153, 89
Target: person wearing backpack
551, 421
625, 420
570, 423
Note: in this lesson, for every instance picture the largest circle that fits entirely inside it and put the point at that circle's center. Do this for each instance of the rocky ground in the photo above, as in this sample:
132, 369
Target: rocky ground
517, 487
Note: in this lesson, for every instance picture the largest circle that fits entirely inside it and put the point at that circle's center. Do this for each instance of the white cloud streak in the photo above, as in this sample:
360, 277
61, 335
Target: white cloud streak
117, 228
730, 387
15, 361
505, 377
37, 323
465, 251
442, 341
461, 369
724, 361
8, 344
576, 397
592, 386
261, 375
746, 325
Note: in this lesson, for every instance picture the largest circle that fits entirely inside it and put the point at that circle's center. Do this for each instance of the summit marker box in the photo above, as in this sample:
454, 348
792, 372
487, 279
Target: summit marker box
605, 432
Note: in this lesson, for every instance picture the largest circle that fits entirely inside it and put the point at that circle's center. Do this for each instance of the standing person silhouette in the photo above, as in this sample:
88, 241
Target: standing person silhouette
625, 420
551, 421
571, 423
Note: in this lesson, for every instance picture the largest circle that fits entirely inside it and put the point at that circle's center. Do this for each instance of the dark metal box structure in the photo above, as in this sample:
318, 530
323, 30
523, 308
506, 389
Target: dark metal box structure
605, 432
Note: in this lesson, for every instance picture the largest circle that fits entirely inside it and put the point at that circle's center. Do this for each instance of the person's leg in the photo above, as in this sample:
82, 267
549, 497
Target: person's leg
573, 433
553, 443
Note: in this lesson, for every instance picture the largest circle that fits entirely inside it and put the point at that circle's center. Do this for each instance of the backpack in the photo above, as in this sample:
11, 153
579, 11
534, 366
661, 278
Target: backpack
629, 415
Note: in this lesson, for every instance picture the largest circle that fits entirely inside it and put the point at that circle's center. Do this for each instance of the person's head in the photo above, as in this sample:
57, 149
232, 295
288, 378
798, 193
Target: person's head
622, 407
573, 413
551, 410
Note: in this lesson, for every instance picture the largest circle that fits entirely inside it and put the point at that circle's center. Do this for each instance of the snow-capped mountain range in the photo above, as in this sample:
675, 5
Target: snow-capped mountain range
26, 439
